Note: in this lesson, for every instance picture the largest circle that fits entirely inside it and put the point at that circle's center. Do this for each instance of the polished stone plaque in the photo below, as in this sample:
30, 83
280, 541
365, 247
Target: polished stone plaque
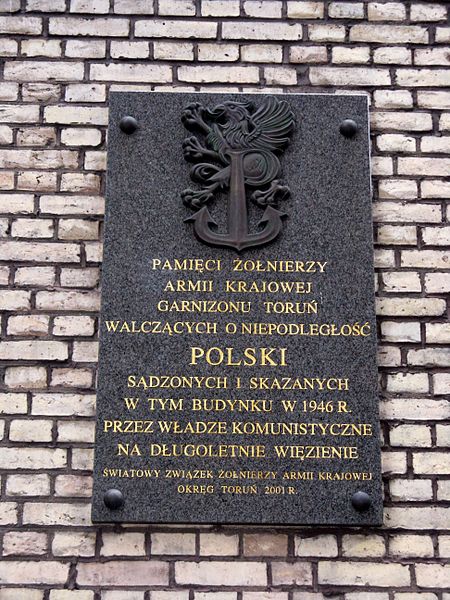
237, 377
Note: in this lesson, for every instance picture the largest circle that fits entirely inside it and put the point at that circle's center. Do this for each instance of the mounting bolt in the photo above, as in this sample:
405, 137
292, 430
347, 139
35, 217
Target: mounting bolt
361, 501
128, 124
348, 128
113, 499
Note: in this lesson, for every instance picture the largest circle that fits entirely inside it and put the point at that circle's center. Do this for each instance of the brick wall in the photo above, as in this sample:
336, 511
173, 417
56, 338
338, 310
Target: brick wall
60, 58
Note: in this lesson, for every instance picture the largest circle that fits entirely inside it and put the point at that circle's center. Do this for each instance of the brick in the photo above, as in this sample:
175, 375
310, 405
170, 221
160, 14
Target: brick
218, 52
394, 331
41, 92
32, 458
33, 350
175, 29
402, 235
73, 486
428, 12
366, 546
28, 485
346, 10
352, 76
260, 31
80, 115
422, 77
123, 544
441, 383
439, 357
40, 252
48, 572
40, 71
429, 575
63, 405
116, 573
89, 6
308, 54
131, 72
406, 213
68, 300
220, 8
72, 205
85, 92
13, 404
408, 382
24, 542
8, 516
26, 378
243, 573
79, 277
266, 9
75, 431
305, 10
82, 459
219, 74
18, 114
433, 99
28, 325
88, 26
425, 517
416, 409
388, 356
135, 7
73, 543
173, 50
385, 34
42, 513
342, 55
37, 181
437, 333
39, 276
435, 189
129, 49
392, 98
79, 378
442, 435
87, 183
49, 48
431, 463
326, 33
297, 573
361, 574
219, 544
395, 142
409, 546
21, 25
436, 236
321, 545
391, 55
85, 351
410, 435
32, 228
401, 121
280, 76
432, 56
409, 307
14, 300
80, 136
403, 281
85, 48
259, 544
442, 34
386, 11
172, 543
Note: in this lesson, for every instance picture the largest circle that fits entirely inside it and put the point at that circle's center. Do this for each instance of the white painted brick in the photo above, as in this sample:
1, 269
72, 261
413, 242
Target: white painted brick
408, 546
441, 383
220, 8
89, 6
131, 72
21, 25
428, 12
326, 33
357, 55
175, 29
28, 485
305, 10
27, 430
391, 55
406, 281
50, 48
395, 331
26, 378
392, 99
173, 50
85, 92
351, 76
346, 10
39, 276
272, 53
386, 11
408, 383
203, 74
385, 34
410, 435
86, 48
41, 71
266, 9
260, 31
86, 26
308, 54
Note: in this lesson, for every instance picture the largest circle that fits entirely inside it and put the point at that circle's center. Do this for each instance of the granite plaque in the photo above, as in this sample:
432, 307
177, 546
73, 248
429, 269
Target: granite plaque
237, 377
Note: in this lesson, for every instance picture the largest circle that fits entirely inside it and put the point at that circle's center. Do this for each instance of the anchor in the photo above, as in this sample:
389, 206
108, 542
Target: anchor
244, 145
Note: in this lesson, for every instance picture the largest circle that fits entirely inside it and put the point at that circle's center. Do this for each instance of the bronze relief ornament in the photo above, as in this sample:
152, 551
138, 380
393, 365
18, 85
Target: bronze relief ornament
238, 149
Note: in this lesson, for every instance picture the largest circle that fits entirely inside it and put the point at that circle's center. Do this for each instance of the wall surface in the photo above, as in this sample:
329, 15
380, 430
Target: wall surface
60, 58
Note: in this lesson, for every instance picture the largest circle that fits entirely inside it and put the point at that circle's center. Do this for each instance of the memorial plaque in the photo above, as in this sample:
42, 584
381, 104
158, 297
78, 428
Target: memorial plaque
237, 375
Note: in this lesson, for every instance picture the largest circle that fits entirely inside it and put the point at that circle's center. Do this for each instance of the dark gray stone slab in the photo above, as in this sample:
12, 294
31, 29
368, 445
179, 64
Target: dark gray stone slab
328, 221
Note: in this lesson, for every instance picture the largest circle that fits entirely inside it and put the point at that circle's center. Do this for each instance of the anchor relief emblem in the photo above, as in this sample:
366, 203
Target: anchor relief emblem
240, 149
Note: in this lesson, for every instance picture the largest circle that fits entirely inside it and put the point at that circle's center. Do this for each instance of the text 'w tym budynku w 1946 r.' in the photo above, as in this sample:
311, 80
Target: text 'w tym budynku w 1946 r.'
237, 376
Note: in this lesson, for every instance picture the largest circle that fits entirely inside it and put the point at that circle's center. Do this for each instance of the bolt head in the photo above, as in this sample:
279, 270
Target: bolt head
348, 128
113, 499
128, 124
361, 501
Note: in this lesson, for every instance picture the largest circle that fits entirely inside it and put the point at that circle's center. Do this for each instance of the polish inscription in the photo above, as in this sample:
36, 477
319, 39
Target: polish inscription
236, 388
